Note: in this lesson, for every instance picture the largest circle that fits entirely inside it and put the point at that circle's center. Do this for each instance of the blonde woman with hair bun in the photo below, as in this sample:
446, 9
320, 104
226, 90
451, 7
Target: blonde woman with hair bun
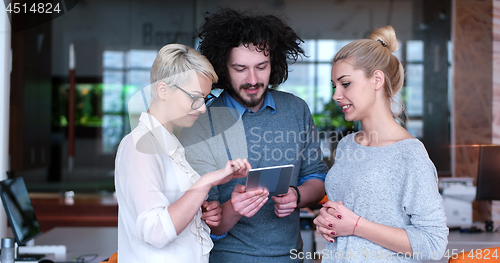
384, 201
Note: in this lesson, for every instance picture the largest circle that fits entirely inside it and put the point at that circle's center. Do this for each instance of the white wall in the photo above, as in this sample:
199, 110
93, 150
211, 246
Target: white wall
5, 65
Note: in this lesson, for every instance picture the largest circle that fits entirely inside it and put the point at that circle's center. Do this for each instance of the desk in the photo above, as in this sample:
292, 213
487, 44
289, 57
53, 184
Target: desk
102, 241
84, 210
467, 242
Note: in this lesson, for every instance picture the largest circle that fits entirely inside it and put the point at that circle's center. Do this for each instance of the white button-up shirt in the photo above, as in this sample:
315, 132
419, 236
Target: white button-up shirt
151, 173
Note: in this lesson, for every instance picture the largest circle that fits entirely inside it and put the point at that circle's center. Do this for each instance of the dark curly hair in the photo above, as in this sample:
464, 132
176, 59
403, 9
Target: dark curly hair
228, 28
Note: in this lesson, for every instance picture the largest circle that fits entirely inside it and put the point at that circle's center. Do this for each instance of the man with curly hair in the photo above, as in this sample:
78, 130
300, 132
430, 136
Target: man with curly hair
250, 54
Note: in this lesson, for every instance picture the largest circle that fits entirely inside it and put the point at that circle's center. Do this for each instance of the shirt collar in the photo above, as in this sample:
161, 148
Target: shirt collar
167, 141
229, 101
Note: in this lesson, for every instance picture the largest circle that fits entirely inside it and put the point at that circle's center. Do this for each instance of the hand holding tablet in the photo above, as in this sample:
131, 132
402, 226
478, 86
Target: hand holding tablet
275, 179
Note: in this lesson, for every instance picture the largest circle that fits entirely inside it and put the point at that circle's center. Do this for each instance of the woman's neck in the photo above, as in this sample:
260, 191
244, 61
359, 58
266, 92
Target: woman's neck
380, 128
156, 112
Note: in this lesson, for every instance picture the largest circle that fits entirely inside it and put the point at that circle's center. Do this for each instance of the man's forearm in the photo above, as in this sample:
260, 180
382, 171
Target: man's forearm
311, 192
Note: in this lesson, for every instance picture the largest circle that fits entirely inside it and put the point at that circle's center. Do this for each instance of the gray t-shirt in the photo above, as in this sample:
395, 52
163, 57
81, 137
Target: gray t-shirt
393, 185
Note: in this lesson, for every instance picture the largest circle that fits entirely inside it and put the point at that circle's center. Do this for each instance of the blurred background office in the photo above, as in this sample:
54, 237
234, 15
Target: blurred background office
450, 51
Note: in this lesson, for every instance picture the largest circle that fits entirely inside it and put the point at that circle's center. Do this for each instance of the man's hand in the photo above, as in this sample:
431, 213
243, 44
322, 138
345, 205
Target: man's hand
248, 203
211, 213
286, 203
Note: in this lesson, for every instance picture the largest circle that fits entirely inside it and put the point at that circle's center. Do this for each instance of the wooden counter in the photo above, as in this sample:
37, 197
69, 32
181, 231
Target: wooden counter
85, 210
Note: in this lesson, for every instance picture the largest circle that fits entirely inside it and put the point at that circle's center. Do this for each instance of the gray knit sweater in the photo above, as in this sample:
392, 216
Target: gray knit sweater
287, 136
393, 185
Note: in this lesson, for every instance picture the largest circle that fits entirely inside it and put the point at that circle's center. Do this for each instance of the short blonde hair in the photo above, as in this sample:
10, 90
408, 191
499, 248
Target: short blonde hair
375, 53
175, 64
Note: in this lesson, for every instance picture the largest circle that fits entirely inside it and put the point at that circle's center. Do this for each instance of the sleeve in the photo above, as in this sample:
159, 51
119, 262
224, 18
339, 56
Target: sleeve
140, 186
319, 176
198, 153
217, 237
312, 164
422, 202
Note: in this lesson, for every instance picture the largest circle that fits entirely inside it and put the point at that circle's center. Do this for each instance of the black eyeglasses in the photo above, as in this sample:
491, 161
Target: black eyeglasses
198, 101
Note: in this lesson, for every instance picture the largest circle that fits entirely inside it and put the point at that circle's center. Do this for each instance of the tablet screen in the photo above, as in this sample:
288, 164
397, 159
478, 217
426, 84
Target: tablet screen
275, 179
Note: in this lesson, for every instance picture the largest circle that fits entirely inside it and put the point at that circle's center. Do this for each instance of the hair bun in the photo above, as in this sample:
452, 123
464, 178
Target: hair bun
387, 37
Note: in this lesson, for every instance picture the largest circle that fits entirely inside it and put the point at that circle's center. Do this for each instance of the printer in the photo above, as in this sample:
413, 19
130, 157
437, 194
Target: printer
458, 194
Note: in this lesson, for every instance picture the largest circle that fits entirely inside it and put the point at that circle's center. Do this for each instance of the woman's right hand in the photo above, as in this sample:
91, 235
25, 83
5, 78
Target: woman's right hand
234, 169
329, 221
325, 225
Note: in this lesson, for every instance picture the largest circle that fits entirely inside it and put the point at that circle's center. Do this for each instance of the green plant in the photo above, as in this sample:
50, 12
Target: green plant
331, 118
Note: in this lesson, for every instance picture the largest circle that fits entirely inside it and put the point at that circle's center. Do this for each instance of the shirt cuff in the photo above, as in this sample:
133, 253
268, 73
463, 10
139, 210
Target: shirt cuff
168, 225
216, 237
305, 178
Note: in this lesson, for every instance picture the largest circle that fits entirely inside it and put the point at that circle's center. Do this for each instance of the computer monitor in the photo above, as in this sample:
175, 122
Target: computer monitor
19, 210
488, 176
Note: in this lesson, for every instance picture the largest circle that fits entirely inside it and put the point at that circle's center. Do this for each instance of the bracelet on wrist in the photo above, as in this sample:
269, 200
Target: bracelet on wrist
355, 225
298, 193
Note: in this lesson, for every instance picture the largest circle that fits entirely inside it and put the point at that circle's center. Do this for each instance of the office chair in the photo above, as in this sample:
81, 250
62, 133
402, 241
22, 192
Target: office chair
112, 259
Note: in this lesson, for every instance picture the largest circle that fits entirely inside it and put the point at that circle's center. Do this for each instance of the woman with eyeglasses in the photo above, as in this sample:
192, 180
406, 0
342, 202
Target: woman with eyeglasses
163, 215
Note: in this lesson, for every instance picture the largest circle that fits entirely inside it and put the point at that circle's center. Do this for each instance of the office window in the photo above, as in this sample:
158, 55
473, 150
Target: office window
125, 72
414, 88
309, 79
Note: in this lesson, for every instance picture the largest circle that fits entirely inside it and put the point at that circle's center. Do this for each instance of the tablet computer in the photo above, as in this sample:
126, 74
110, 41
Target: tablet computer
276, 179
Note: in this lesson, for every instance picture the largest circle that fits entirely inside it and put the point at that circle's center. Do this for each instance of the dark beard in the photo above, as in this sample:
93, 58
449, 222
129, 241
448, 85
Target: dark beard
254, 101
